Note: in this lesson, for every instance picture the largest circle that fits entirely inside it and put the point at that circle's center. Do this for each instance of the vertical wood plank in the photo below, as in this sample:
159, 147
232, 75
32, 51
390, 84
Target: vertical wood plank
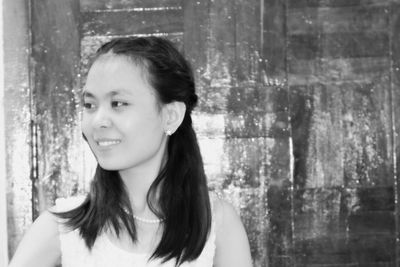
3, 164
395, 93
247, 113
125, 22
337, 19
222, 44
341, 126
248, 23
90, 5
217, 79
279, 182
17, 120
337, 3
274, 41
55, 54
195, 39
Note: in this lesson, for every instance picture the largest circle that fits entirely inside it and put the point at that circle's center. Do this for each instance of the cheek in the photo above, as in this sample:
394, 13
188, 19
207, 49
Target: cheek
85, 122
145, 130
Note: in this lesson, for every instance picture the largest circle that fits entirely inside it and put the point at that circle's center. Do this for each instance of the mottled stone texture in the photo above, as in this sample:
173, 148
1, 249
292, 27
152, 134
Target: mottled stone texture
297, 120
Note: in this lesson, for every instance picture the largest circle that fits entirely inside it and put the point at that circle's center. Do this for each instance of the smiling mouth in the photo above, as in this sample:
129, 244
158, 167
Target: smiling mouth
108, 143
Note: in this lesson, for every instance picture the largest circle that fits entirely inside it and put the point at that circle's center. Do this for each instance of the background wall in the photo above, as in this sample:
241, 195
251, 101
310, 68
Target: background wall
298, 122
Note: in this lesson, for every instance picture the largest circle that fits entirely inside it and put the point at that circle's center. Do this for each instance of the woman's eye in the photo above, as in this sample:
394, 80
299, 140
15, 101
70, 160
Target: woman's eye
118, 104
88, 105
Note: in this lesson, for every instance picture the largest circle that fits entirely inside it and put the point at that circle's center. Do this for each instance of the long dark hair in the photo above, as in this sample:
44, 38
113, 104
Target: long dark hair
181, 184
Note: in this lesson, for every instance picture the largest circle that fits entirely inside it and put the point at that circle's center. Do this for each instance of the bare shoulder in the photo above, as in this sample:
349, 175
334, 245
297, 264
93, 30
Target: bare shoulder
226, 216
232, 245
40, 246
223, 211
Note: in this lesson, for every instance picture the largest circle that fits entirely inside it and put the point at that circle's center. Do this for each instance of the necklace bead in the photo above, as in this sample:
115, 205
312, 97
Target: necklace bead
144, 220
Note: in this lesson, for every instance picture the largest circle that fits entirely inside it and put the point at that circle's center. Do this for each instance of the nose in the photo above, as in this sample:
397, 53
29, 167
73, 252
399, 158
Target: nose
102, 119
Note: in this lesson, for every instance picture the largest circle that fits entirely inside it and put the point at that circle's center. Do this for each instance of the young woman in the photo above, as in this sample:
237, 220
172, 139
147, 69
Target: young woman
148, 203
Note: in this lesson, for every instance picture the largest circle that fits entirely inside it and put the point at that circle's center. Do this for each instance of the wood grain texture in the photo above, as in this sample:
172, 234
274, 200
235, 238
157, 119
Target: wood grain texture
119, 23
55, 52
273, 41
311, 20
336, 71
222, 44
395, 93
297, 120
337, 3
90, 5
339, 76
339, 45
273, 75
248, 22
196, 41
17, 122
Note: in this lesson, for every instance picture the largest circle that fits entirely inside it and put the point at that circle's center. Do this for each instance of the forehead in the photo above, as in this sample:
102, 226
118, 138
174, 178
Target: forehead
118, 64
111, 73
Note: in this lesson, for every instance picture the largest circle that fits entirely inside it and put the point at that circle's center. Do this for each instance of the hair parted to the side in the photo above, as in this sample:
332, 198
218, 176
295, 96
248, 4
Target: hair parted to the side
183, 194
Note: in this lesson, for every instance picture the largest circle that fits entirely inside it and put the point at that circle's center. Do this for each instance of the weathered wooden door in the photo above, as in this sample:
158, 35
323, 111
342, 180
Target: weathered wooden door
298, 119
242, 148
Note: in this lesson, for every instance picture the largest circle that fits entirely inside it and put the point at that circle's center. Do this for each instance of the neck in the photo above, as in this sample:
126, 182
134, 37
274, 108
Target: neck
138, 180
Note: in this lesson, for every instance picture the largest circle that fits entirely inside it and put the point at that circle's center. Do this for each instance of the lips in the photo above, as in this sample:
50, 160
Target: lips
106, 143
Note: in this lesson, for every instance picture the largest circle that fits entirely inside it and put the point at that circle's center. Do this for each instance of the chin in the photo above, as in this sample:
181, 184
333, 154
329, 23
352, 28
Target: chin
110, 166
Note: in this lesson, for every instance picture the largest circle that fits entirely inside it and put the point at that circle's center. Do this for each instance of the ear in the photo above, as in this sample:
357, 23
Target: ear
174, 113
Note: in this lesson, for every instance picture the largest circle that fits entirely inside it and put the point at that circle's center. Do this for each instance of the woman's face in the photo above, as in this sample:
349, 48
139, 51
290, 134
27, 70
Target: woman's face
121, 120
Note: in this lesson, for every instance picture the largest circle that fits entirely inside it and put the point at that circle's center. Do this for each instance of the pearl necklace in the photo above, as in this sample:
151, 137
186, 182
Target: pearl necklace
144, 220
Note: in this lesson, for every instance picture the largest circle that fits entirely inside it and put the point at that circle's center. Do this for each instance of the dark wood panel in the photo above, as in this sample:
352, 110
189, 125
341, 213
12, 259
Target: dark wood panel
334, 226
248, 18
55, 53
336, 3
273, 72
339, 45
347, 132
132, 22
324, 251
273, 41
256, 111
337, 20
395, 90
242, 100
304, 46
381, 222
221, 45
91, 5
351, 70
247, 157
16, 110
195, 39
280, 242
371, 199
362, 250
317, 213
300, 122
373, 249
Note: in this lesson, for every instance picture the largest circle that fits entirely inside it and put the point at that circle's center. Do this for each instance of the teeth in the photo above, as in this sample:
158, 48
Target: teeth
108, 143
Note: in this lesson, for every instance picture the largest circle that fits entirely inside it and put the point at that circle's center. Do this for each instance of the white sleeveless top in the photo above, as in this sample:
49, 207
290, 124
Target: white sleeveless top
104, 253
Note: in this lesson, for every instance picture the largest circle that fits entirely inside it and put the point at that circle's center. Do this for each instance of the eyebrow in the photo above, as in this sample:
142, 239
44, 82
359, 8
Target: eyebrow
112, 93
